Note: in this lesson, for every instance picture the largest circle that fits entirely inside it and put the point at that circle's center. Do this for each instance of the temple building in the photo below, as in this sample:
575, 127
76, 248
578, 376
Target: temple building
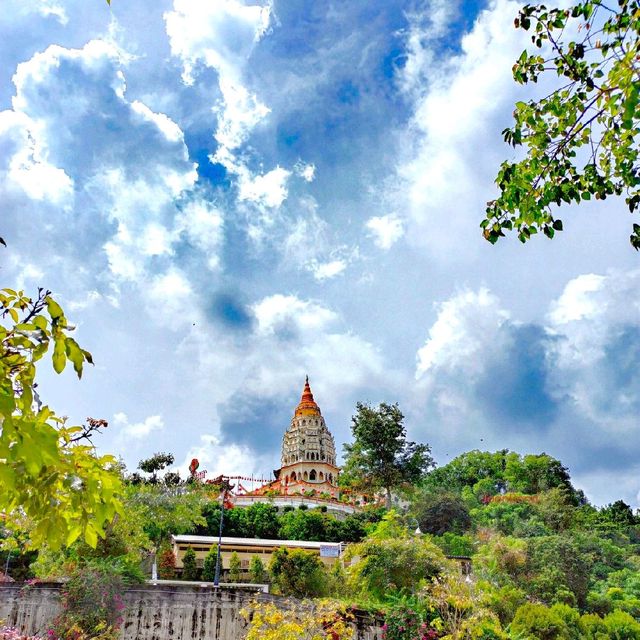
308, 460
308, 472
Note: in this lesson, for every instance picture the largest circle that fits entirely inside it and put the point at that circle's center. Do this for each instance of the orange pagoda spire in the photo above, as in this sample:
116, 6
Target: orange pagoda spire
307, 406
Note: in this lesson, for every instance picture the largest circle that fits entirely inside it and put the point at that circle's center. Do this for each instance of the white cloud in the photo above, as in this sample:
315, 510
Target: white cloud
27, 167
137, 430
465, 325
386, 230
327, 270
269, 190
218, 458
457, 118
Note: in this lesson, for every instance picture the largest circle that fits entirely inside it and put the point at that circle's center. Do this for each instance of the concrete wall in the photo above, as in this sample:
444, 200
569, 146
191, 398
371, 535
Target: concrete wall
154, 612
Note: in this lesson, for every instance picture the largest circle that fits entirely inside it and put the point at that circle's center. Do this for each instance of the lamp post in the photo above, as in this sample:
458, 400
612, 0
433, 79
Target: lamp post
216, 580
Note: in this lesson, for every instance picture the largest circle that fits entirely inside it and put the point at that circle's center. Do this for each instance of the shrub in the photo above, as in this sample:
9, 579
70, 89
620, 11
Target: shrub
298, 621
166, 564
538, 622
298, 573
189, 567
622, 626
92, 605
404, 623
394, 565
235, 568
257, 570
209, 565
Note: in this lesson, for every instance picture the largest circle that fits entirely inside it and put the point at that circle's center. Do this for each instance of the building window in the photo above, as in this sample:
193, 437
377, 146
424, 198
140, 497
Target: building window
321, 476
306, 476
293, 476
312, 475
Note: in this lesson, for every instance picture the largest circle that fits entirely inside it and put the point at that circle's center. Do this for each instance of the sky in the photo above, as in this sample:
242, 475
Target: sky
226, 196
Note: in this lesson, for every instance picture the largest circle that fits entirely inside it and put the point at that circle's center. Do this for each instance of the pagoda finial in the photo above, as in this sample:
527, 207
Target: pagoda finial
307, 403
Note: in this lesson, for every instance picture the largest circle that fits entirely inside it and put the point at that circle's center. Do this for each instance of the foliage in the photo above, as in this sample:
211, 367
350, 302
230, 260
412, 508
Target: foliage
580, 139
405, 623
440, 511
235, 567
48, 470
166, 564
209, 565
166, 510
298, 573
189, 567
317, 620
534, 621
263, 521
383, 566
460, 609
257, 570
92, 605
380, 456
157, 463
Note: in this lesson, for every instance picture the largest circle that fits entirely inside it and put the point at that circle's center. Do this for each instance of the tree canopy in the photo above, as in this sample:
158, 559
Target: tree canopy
581, 138
380, 456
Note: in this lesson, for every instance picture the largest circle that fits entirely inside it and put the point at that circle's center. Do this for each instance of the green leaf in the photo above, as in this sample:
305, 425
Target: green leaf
55, 310
59, 355
75, 354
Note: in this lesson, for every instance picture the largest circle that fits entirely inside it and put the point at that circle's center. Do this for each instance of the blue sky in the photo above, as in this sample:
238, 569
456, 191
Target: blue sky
227, 196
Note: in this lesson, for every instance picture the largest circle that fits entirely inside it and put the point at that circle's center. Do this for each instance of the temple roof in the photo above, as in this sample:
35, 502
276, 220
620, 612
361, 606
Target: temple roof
307, 405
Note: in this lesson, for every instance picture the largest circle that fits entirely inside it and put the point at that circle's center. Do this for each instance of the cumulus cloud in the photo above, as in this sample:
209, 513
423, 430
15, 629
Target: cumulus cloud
385, 230
456, 119
570, 380
136, 430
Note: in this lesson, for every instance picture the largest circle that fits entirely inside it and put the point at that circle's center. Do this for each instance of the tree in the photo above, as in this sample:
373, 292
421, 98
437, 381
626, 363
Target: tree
380, 456
298, 573
235, 567
580, 139
257, 570
441, 511
49, 472
209, 565
189, 567
156, 463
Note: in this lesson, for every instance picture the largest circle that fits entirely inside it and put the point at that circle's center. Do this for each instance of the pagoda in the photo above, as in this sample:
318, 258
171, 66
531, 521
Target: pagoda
308, 459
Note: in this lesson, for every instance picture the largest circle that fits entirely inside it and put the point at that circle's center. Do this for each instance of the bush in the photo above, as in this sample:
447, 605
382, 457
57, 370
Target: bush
235, 568
404, 623
621, 626
92, 605
298, 573
189, 567
257, 570
538, 622
209, 565
394, 564
166, 564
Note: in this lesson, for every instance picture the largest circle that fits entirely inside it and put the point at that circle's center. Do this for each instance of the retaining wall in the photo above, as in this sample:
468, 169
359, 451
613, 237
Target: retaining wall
155, 612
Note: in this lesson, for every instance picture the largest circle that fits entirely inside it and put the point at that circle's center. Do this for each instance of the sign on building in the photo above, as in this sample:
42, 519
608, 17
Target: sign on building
329, 551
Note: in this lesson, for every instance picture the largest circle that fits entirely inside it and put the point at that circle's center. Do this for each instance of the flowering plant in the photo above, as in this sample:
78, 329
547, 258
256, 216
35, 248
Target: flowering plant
404, 623
92, 606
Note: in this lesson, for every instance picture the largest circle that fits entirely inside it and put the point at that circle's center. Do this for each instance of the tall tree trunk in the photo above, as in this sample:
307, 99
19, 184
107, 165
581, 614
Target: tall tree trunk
387, 502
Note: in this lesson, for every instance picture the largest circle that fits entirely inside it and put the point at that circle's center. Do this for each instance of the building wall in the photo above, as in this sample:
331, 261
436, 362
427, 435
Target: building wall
160, 612
244, 553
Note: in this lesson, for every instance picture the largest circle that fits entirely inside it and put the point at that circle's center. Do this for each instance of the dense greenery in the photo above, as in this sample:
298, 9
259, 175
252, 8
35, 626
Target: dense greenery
545, 563
580, 138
